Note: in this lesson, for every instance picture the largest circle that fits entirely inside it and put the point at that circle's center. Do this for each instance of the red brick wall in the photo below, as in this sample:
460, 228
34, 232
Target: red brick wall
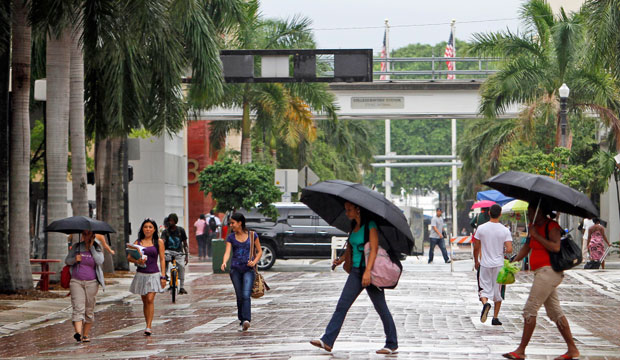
198, 157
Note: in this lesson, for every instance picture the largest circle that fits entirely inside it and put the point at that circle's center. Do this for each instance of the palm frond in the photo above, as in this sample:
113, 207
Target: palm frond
568, 36
218, 131
603, 19
200, 42
538, 18
519, 81
506, 44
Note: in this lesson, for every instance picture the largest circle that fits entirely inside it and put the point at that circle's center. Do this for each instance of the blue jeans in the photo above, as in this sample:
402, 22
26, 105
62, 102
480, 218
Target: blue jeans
242, 282
352, 288
202, 245
442, 246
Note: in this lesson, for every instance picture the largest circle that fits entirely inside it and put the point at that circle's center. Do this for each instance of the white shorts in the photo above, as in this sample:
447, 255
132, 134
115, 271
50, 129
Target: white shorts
487, 282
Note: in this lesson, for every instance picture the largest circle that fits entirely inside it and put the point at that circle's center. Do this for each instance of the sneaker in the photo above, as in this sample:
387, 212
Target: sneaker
245, 326
485, 312
430, 262
240, 328
496, 321
182, 291
448, 261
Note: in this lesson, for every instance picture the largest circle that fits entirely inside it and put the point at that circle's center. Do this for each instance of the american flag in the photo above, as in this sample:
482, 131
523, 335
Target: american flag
383, 56
450, 53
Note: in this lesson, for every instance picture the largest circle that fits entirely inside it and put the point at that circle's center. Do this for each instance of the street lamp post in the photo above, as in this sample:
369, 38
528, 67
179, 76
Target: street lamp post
564, 91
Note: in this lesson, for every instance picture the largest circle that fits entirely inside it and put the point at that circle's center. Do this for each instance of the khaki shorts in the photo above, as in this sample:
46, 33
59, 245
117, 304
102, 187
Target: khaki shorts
543, 291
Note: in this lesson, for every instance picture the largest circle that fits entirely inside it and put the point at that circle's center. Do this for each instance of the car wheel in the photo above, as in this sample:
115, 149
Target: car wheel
269, 257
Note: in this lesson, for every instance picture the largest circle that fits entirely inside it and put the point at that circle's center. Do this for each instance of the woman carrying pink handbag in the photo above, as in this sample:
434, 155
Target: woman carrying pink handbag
364, 231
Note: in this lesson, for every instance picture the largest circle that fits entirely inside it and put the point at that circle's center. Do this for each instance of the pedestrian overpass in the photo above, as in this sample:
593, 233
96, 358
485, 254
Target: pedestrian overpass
414, 99
406, 94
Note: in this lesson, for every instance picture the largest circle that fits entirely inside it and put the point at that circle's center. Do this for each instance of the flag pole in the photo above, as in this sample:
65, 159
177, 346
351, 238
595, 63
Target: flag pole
387, 47
388, 150
452, 29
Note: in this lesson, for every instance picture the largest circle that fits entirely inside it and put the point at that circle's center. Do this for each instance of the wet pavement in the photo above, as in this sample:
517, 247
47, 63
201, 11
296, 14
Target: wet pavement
436, 313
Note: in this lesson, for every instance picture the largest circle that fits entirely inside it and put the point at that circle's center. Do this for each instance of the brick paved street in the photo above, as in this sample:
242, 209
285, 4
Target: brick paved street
436, 313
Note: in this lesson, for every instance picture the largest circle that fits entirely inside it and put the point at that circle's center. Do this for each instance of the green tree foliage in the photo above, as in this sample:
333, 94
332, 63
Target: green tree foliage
548, 51
415, 137
603, 19
463, 49
234, 186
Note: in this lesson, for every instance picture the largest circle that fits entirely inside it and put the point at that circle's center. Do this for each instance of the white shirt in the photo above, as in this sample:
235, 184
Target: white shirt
492, 237
587, 223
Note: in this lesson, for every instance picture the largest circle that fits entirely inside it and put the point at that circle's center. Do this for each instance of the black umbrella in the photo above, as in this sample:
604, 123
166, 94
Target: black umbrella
327, 199
76, 224
530, 187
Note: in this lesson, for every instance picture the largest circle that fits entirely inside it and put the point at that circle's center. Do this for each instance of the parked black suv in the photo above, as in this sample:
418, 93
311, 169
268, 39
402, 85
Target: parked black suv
299, 233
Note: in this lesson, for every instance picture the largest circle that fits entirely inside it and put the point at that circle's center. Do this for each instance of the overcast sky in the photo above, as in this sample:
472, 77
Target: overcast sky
471, 16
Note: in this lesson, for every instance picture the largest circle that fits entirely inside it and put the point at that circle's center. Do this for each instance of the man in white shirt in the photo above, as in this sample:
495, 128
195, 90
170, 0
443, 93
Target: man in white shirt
587, 224
491, 241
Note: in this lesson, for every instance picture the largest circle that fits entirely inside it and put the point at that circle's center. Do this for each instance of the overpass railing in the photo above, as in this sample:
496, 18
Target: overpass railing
435, 68
423, 68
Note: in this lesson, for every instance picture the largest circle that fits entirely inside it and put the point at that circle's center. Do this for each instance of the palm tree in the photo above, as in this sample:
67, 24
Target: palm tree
5, 64
76, 127
282, 111
603, 19
19, 226
58, 59
550, 52
136, 53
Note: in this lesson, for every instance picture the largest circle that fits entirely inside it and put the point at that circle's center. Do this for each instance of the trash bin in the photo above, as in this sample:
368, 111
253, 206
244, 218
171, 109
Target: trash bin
218, 248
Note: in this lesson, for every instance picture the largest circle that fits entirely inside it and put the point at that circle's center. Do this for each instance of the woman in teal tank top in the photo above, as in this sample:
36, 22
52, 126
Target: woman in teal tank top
364, 230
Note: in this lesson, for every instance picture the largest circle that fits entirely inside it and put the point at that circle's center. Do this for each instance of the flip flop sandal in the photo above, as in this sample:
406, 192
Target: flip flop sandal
85, 339
513, 355
386, 351
147, 332
566, 357
320, 344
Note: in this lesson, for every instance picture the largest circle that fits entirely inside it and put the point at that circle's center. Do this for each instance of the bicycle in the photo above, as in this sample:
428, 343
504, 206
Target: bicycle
174, 275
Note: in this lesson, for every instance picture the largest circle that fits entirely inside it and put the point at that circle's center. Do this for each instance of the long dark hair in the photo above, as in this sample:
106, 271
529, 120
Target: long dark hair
239, 218
141, 235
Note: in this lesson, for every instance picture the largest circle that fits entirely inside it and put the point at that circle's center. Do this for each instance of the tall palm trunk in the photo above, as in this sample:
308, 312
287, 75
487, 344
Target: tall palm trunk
110, 200
58, 62
246, 140
273, 149
19, 194
76, 124
6, 283
102, 169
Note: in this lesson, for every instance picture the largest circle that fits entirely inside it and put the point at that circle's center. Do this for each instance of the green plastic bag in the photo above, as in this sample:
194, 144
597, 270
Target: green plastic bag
507, 273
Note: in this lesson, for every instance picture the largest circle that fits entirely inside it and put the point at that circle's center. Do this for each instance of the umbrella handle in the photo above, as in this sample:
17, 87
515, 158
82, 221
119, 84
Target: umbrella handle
535, 215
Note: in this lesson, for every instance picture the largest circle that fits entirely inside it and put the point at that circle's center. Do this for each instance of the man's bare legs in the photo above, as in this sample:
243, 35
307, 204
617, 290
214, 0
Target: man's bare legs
564, 328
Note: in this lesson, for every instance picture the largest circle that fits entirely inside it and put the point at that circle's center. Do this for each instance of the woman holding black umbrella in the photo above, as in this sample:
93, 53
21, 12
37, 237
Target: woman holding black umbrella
85, 259
545, 237
363, 230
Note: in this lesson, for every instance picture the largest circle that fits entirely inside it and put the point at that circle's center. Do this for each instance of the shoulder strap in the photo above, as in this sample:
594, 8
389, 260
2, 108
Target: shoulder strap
251, 240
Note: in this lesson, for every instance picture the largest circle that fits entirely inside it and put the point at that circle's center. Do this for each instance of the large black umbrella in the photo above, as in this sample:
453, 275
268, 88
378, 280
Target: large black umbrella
76, 224
327, 199
530, 187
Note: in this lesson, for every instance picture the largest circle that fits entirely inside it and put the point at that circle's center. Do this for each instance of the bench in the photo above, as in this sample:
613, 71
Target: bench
337, 244
44, 281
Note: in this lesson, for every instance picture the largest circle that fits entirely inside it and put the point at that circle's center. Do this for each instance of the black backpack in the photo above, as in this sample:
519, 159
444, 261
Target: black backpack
212, 224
